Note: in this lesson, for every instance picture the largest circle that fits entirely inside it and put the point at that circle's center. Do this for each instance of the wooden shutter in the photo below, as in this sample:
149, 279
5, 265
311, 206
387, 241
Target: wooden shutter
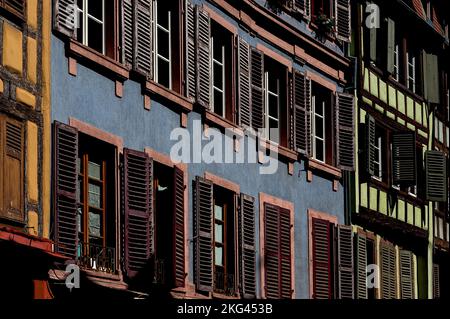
64, 17
15, 6
128, 33
303, 6
361, 266
244, 94
343, 17
431, 77
285, 254
321, 255
370, 145
257, 88
203, 58
144, 37
66, 181
404, 158
390, 59
436, 282
388, 271
138, 204
373, 44
436, 176
179, 236
191, 64
247, 246
345, 131
406, 275
345, 262
302, 113
203, 232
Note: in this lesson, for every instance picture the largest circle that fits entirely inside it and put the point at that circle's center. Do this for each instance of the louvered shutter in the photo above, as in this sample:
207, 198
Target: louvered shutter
390, 59
303, 6
179, 242
285, 254
388, 271
406, 275
191, 64
144, 37
15, 6
203, 232
203, 58
345, 262
393, 271
64, 19
247, 261
404, 158
370, 145
138, 205
302, 113
436, 282
373, 44
343, 17
361, 266
66, 181
128, 33
321, 250
345, 131
257, 88
436, 176
244, 94
271, 253
431, 77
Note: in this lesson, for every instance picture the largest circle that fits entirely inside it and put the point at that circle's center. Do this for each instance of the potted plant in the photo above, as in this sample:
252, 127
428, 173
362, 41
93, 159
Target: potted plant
276, 6
325, 25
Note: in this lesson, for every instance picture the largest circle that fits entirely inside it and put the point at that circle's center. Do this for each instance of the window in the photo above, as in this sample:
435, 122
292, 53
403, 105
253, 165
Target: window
162, 21
272, 107
319, 7
218, 77
321, 128
378, 161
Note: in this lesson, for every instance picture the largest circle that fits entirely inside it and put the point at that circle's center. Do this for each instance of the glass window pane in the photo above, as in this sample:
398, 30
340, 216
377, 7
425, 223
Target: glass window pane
163, 43
94, 224
217, 50
218, 103
319, 150
319, 107
218, 254
318, 125
163, 17
95, 8
94, 170
274, 134
273, 106
218, 212
95, 35
95, 197
163, 73
273, 84
218, 76
218, 235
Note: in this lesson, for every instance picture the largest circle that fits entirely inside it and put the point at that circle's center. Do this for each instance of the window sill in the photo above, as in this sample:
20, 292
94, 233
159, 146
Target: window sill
282, 151
223, 123
314, 165
217, 295
179, 100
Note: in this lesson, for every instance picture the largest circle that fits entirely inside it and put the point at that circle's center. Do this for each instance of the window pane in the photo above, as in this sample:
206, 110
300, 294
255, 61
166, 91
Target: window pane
218, 102
218, 80
95, 8
319, 107
318, 125
217, 50
163, 43
218, 235
273, 106
273, 84
163, 16
218, 254
95, 197
218, 212
163, 73
319, 150
94, 170
95, 35
94, 224
274, 135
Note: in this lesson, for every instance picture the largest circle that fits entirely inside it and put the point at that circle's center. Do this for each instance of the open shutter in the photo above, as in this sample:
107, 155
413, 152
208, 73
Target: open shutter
393, 271
128, 33
144, 37
431, 78
285, 254
404, 158
203, 58
191, 64
64, 19
179, 242
303, 6
245, 118
343, 29
436, 282
406, 275
138, 204
66, 180
203, 232
388, 271
370, 145
390, 59
321, 254
345, 131
373, 44
272, 252
345, 262
302, 113
436, 176
247, 246
257, 88
361, 266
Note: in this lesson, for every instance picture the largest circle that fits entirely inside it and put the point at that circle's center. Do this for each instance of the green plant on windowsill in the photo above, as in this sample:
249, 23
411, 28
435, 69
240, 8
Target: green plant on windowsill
325, 26
276, 6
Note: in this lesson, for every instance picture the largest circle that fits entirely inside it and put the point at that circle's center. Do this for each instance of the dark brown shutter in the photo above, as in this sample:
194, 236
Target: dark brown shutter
361, 266
404, 158
406, 275
144, 37
15, 6
179, 242
390, 59
436, 176
345, 131
303, 6
431, 77
343, 29
245, 118
393, 271
66, 181
138, 204
203, 58
388, 270
64, 16
247, 246
345, 262
257, 88
285, 254
191, 64
128, 33
321, 250
302, 113
203, 233
370, 145
436, 282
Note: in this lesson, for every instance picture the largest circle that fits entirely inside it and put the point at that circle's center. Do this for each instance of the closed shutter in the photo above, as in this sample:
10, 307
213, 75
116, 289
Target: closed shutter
179, 242
15, 6
257, 88
138, 205
144, 37
191, 64
370, 145
66, 181
203, 232
436, 176
247, 246
343, 16
245, 118
404, 158
390, 59
406, 275
303, 6
436, 282
321, 255
302, 113
203, 58
285, 254
361, 266
345, 131
393, 271
345, 262
388, 271
64, 19
431, 78
128, 33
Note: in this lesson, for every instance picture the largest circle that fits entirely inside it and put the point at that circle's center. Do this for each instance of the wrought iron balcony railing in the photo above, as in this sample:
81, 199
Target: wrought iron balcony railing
96, 257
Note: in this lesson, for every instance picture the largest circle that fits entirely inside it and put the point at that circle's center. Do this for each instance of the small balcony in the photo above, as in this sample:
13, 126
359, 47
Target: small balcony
224, 283
96, 257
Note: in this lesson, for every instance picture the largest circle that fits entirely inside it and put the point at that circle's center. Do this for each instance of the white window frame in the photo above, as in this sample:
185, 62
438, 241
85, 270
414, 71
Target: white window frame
213, 87
314, 136
83, 21
397, 187
397, 62
267, 116
156, 55
379, 157
410, 76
